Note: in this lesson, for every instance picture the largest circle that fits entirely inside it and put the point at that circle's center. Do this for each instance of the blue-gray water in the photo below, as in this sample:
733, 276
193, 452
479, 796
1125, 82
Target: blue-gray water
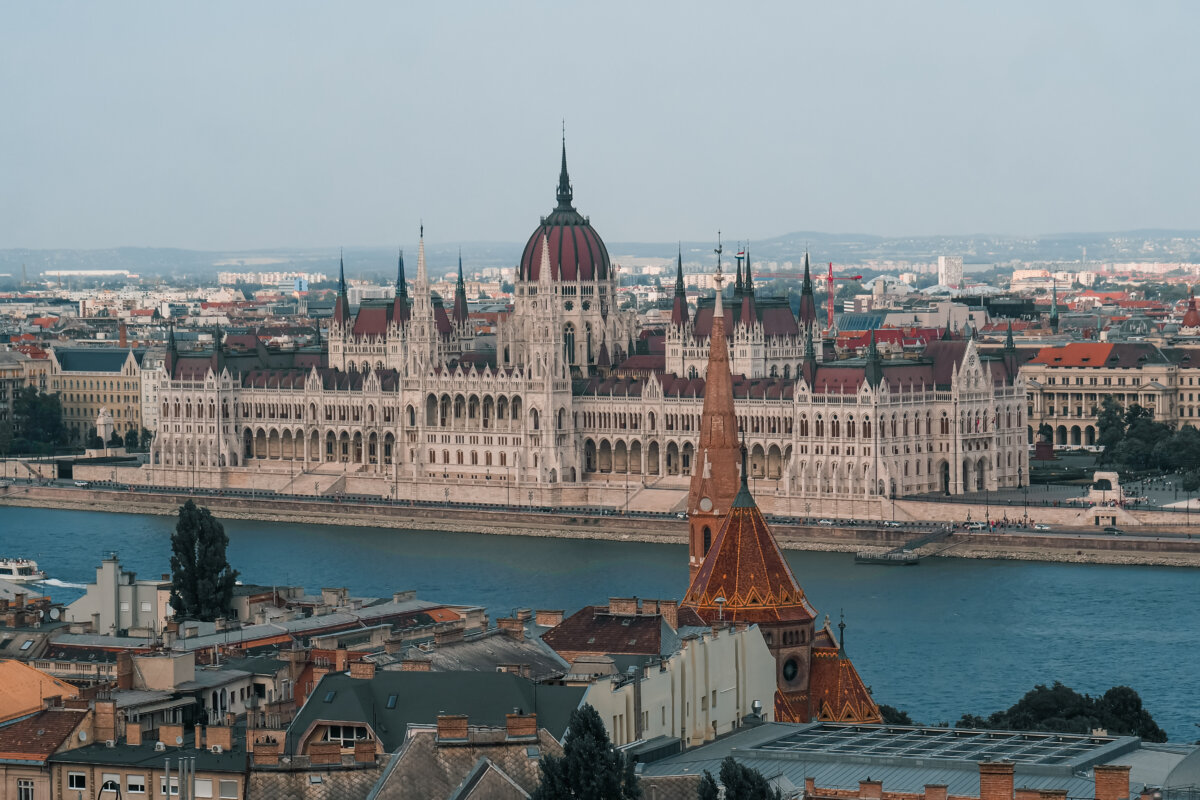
939, 640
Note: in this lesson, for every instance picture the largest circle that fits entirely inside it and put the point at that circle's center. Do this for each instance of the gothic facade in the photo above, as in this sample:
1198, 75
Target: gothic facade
401, 401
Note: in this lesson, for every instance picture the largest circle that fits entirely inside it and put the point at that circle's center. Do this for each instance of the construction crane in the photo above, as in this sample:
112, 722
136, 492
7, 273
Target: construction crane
829, 285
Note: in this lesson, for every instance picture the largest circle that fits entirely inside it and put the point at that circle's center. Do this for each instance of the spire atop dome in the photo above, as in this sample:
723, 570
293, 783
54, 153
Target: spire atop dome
748, 281
1008, 338
808, 301
565, 195
460, 294
679, 309
422, 274
341, 272
341, 304
737, 283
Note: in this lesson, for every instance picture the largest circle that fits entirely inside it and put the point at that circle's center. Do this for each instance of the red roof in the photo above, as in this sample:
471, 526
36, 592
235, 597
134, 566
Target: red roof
38, 737
593, 629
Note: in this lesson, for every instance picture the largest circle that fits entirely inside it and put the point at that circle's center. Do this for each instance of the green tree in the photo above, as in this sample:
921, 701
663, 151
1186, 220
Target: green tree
115, 440
1060, 708
742, 782
201, 579
94, 442
894, 716
38, 420
590, 768
708, 787
1111, 422
131, 439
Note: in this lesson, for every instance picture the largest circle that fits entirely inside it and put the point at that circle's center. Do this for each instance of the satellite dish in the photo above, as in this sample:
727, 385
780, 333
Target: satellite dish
54, 613
83, 736
178, 740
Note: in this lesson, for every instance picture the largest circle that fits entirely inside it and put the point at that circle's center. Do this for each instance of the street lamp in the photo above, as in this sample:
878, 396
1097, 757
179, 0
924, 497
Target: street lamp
720, 601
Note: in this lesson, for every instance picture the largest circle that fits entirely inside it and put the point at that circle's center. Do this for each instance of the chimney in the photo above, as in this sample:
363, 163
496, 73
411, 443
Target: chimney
520, 726
810, 786
870, 790
364, 751
622, 605
341, 658
1028, 794
199, 737
106, 720
133, 733
123, 340
670, 612
524, 614
221, 735
512, 627
996, 780
450, 633
936, 791
170, 735
452, 727
1112, 781
1053, 794
415, 665
393, 646
124, 670
364, 670
549, 619
19, 599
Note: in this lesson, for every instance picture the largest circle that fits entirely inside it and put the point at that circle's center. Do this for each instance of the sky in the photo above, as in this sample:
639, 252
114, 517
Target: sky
232, 125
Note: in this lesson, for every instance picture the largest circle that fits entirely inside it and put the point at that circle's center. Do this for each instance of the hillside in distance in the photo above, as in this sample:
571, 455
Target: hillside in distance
380, 262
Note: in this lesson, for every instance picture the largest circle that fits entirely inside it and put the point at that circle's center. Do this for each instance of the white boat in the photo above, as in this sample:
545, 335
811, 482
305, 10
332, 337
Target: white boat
20, 570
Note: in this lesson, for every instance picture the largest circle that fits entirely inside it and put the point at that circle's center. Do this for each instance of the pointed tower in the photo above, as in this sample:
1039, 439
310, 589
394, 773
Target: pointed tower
1054, 307
679, 307
715, 470
1009, 356
172, 354
341, 305
460, 296
401, 310
748, 313
746, 580
873, 372
808, 301
737, 283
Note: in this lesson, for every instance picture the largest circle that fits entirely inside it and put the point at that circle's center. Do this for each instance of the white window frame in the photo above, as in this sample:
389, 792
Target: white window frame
135, 784
162, 786
228, 789
77, 780
202, 788
25, 788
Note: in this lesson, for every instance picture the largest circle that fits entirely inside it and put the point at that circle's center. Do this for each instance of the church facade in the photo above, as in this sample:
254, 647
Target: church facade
399, 401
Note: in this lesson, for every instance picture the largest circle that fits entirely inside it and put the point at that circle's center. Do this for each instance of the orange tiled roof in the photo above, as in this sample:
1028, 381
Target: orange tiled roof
836, 692
1079, 354
23, 688
745, 567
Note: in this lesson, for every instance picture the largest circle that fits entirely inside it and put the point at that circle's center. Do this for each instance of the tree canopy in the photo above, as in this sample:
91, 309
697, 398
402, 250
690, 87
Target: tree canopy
201, 579
37, 424
1060, 708
590, 768
740, 782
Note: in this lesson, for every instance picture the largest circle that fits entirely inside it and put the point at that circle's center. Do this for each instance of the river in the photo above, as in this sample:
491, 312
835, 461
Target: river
949, 637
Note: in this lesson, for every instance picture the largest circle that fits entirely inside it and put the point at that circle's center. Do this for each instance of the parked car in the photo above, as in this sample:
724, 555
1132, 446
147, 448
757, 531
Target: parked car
891, 523
1041, 526
976, 526
1114, 531
682, 515
824, 522
82, 484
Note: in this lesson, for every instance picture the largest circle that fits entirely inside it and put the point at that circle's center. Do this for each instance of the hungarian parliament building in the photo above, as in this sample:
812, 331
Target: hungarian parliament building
399, 402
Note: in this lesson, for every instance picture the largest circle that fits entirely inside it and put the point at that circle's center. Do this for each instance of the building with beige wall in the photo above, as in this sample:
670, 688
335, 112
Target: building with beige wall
700, 692
90, 379
1066, 386
119, 604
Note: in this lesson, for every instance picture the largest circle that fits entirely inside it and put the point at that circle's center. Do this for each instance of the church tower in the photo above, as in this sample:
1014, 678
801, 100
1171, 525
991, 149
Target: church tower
715, 469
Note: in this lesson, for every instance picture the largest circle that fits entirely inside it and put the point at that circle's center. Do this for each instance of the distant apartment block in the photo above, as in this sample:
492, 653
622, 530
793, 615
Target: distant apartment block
950, 271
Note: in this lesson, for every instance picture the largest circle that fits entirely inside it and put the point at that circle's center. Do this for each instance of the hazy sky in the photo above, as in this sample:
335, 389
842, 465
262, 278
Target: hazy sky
256, 124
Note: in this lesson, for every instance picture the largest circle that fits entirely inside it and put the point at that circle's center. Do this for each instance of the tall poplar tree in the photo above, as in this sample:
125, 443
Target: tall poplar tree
590, 767
201, 579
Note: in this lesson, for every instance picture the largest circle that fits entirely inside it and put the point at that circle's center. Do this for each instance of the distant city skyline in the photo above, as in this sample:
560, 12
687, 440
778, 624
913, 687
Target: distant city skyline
302, 125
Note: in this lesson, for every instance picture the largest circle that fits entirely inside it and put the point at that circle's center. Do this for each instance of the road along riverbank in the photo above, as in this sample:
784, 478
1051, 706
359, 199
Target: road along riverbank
1143, 548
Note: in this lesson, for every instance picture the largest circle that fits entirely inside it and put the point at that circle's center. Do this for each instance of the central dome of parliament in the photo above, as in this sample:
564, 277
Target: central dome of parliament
577, 253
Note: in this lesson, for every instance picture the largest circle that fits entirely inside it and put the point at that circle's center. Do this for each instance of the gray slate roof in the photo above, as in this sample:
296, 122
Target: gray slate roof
95, 359
485, 697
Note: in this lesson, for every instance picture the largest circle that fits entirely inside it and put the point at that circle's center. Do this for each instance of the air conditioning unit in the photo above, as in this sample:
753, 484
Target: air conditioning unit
110, 743
216, 748
160, 746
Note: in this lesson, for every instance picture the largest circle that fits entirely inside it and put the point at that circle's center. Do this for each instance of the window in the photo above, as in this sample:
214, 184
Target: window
203, 788
145, 606
229, 790
391, 701
110, 782
135, 784
124, 606
28, 643
345, 734
162, 785
77, 780
24, 789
